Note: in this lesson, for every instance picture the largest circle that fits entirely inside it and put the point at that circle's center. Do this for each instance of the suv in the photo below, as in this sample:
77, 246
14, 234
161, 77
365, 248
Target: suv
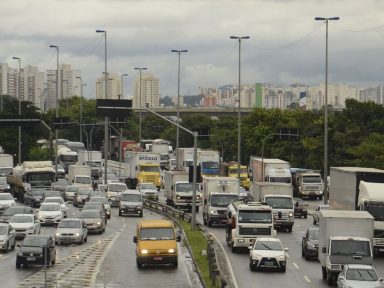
310, 243
316, 214
156, 243
71, 230
17, 209
300, 208
36, 249
131, 202
7, 237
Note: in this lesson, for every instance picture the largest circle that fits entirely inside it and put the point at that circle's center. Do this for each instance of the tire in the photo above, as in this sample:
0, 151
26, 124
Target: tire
305, 216
139, 264
14, 245
252, 267
314, 221
6, 248
18, 264
82, 241
209, 223
233, 248
290, 229
320, 197
120, 214
324, 272
141, 214
175, 264
204, 221
302, 252
197, 209
86, 239
283, 269
306, 256
330, 279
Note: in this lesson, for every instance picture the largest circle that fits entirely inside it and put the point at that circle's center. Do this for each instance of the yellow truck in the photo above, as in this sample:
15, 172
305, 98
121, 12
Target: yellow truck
230, 169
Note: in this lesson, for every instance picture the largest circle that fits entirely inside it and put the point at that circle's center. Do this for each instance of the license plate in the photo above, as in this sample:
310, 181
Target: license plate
130, 209
31, 258
49, 221
158, 258
268, 263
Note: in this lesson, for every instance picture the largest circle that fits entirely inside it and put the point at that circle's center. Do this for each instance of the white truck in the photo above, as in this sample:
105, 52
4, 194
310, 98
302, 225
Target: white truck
178, 191
66, 157
92, 159
308, 184
209, 162
162, 147
280, 197
359, 188
218, 193
6, 164
80, 175
345, 237
246, 222
142, 167
269, 170
184, 158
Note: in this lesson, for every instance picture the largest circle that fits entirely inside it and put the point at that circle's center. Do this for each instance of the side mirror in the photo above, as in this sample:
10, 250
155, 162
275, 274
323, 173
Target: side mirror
324, 250
134, 239
250, 247
286, 249
178, 238
37, 210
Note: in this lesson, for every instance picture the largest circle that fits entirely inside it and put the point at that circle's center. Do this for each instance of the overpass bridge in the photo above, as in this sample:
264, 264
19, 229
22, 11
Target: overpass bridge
211, 111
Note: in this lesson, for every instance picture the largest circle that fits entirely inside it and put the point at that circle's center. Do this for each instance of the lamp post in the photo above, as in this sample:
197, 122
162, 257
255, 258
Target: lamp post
239, 38
106, 124
67, 92
325, 188
122, 85
19, 97
57, 100
140, 69
81, 107
121, 129
178, 101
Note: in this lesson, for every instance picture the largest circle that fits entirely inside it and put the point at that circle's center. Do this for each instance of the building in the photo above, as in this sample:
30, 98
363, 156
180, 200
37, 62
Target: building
114, 86
149, 95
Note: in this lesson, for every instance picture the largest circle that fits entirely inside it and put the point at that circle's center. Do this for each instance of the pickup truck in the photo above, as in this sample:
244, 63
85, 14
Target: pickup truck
300, 208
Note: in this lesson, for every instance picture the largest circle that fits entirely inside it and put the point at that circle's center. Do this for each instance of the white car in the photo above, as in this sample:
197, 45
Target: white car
57, 200
114, 190
6, 200
267, 253
358, 276
25, 224
7, 237
69, 193
149, 190
50, 213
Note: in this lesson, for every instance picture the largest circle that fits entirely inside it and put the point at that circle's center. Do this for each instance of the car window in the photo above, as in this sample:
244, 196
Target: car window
361, 275
3, 230
268, 245
70, 224
21, 219
34, 241
6, 196
50, 208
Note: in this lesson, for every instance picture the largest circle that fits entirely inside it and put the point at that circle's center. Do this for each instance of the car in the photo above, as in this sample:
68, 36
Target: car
131, 202
149, 190
16, 209
34, 197
300, 208
93, 220
36, 250
156, 243
51, 193
267, 253
60, 185
316, 214
4, 186
6, 200
60, 173
71, 230
7, 237
81, 196
98, 206
105, 202
57, 200
358, 276
69, 193
50, 214
114, 189
25, 224
310, 243
102, 188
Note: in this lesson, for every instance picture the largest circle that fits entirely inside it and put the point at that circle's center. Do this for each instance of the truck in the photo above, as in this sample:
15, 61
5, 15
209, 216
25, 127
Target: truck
246, 222
185, 158
178, 191
345, 237
66, 157
208, 160
359, 188
308, 184
162, 147
6, 164
92, 159
29, 175
218, 193
280, 197
80, 175
230, 169
142, 167
269, 170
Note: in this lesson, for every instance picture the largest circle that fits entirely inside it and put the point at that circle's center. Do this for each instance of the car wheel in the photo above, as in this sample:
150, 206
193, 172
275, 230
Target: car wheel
197, 209
324, 272
139, 264
233, 248
289, 229
18, 264
204, 221
314, 221
6, 248
252, 267
305, 216
86, 239
283, 269
14, 245
82, 241
141, 214
120, 214
175, 264
302, 252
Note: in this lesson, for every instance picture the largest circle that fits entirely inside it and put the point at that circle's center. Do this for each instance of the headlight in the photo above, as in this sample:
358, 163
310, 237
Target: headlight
281, 258
57, 234
256, 256
240, 240
335, 267
197, 197
213, 212
178, 197
30, 227
77, 234
98, 223
19, 254
311, 245
171, 250
79, 198
144, 251
2, 241
290, 214
139, 207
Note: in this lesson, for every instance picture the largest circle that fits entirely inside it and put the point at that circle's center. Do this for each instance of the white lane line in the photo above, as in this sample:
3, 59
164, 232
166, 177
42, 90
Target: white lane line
307, 279
297, 266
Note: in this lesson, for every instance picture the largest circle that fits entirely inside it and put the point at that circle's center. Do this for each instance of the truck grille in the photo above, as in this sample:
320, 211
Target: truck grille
150, 178
186, 198
254, 231
222, 212
284, 215
378, 234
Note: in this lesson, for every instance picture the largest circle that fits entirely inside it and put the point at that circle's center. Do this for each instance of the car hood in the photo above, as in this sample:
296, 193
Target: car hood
92, 220
7, 202
3, 237
49, 213
362, 284
157, 245
268, 253
68, 230
21, 225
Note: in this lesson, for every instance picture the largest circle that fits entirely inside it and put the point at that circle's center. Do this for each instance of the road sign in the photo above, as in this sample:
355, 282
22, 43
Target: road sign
113, 108
288, 134
203, 133
18, 120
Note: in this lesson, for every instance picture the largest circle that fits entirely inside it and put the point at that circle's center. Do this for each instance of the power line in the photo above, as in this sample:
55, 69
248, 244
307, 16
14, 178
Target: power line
357, 31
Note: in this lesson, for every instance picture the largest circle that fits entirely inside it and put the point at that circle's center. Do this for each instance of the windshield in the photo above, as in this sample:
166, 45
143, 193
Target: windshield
41, 179
268, 245
69, 224
161, 233
83, 180
210, 165
131, 197
90, 214
314, 234
37, 192
93, 164
13, 210
184, 187
279, 202
3, 182
34, 241
377, 211
50, 208
71, 189
54, 200
83, 192
280, 179
98, 200
69, 158
6, 196
21, 219
218, 200
3, 230
254, 216
149, 168
350, 247
234, 171
361, 274
117, 187
148, 186
312, 179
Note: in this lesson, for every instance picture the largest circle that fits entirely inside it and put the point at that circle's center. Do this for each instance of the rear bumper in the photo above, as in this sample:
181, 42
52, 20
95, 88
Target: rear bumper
157, 259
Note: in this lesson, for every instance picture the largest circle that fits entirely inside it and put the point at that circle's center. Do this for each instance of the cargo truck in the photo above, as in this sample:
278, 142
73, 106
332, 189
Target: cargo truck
359, 188
280, 197
142, 167
218, 193
80, 175
208, 160
230, 169
184, 158
345, 237
178, 191
308, 184
269, 170
66, 157
162, 147
6, 164
92, 159
246, 222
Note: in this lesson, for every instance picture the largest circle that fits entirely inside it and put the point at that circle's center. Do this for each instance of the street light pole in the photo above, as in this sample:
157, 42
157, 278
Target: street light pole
57, 101
19, 96
106, 124
121, 129
239, 38
178, 101
325, 188
140, 69
81, 107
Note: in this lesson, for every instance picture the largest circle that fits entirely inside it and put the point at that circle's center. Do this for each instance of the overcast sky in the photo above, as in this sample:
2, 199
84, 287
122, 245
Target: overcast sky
286, 45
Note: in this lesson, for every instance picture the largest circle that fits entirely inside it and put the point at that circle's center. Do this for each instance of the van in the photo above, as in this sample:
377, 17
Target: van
156, 243
131, 202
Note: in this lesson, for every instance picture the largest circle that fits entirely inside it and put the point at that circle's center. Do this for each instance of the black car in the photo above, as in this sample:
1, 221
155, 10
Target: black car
33, 250
310, 243
12, 210
97, 206
300, 208
34, 197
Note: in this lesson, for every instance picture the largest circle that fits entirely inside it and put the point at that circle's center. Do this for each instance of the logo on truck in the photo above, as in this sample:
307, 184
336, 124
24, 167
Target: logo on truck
146, 158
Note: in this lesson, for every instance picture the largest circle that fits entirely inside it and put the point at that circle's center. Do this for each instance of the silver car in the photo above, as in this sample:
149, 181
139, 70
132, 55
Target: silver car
71, 230
358, 276
25, 224
104, 200
7, 237
131, 202
93, 220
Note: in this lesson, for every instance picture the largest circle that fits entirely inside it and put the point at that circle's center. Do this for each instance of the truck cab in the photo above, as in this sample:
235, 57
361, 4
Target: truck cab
283, 210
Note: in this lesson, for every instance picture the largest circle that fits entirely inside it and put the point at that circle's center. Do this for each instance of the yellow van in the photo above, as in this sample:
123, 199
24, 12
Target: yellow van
156, 243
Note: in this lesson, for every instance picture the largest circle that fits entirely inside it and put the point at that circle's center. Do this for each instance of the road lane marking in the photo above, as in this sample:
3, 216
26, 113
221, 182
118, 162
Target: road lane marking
297, 266
287, 255
307, 279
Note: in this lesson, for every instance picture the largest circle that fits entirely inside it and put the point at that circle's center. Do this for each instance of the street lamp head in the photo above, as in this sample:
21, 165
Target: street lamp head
53, 46
125, 74
239, 37
179, 51
326, 18
100, 31
334, 18
320, 18
16, 58
140, 68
